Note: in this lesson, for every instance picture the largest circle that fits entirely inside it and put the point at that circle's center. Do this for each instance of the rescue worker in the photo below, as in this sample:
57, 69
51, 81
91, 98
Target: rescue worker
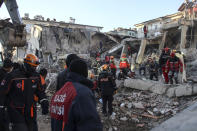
4, 121
17, 92
73, 107
107, 86
153, 69
174, 65
165, 55
97, 65
145, 31
61, 78
107, 59
142, 69
7, 67
112, 66
124, 65
129, 51
43, 74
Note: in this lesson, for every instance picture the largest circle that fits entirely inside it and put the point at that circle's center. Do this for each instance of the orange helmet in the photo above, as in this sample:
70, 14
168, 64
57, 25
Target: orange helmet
92, 76
104, 67
111, 57
31, 60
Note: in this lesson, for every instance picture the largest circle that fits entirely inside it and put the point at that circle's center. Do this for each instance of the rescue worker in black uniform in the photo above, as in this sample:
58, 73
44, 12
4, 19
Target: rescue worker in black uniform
61, 78
17, 92
153, 69
7, 67
107, 85
43, 73
4, 121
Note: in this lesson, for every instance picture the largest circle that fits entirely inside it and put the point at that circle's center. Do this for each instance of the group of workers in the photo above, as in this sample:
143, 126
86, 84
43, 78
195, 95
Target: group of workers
170, 65
73, 106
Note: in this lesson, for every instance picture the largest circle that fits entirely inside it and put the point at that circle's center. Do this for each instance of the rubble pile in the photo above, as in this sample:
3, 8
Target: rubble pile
141, 110
184, 89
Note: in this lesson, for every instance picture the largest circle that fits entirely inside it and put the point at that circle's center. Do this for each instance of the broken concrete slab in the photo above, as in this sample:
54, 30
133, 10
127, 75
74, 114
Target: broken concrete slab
158, 88
138, 84
161, 89
183, 90
194, 89
171, 92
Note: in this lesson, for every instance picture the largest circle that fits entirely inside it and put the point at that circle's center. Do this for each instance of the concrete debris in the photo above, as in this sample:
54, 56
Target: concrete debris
138, 109
138, 105
51, 81
161, 89
123, 119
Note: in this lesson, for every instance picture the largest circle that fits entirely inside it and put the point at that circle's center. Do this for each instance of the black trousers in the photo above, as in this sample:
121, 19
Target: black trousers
153, 74
142, 69
22, 126
113, 71
4, 120
173, 74
107, 100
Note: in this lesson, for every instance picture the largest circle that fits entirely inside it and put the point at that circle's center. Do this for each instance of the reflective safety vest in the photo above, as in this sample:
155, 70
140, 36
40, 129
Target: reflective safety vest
124, 63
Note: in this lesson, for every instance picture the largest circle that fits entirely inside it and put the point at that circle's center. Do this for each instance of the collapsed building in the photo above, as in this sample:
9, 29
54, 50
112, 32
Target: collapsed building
51, 41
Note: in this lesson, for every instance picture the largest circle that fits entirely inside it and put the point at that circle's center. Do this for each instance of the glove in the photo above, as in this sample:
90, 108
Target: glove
45, 107
115, 92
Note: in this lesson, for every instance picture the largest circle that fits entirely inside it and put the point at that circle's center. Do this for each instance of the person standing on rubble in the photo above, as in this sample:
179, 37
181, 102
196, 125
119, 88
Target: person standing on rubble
174, 65
113, 67
4, 120
61, 78
107, 59
7, 67
17, 91
145, 31
43, 73
73, 107
153, 69
165, 55
124, 65
107, 85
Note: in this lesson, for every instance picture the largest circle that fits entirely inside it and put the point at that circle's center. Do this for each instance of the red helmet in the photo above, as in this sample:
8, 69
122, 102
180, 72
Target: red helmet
166, 49
172, 54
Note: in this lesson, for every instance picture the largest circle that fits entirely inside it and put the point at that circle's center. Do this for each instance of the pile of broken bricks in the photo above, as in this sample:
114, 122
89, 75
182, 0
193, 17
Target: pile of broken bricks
140, 110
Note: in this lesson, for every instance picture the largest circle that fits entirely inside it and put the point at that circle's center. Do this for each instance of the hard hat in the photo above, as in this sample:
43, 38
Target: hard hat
31, 60
174, 50
111, 57
166, 49
172, 54
92, 76
123, 55
104, 67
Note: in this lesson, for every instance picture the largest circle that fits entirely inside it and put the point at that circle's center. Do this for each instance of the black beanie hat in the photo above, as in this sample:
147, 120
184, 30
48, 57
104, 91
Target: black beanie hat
80, 67
7, 63
70, 58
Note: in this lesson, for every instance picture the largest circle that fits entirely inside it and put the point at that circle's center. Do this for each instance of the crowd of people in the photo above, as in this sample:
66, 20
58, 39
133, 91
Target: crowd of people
73, 106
